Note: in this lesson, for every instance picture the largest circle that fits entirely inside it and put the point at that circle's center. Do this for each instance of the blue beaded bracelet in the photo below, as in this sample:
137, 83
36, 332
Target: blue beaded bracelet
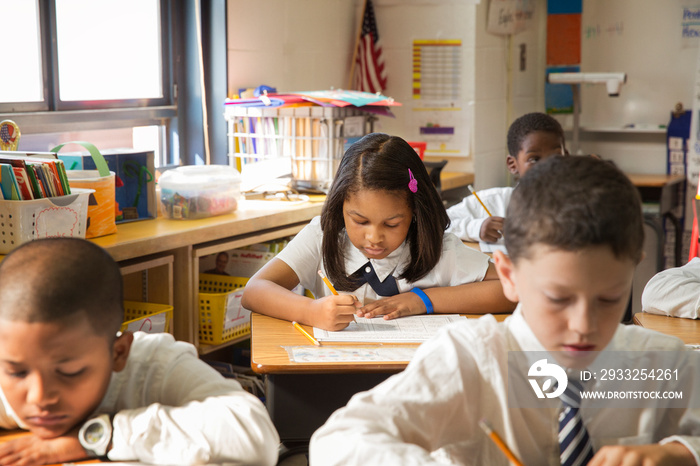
424, 297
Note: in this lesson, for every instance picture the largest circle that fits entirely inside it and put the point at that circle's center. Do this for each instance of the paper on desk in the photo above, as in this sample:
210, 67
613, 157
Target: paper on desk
491, 247
311, 354
414, 329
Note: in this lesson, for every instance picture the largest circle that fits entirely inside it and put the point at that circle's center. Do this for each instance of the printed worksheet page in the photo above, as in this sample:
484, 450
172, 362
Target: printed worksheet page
403, 329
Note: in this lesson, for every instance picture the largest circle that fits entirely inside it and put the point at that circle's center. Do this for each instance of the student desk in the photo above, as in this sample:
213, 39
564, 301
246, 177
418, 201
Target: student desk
301, 397
687, 330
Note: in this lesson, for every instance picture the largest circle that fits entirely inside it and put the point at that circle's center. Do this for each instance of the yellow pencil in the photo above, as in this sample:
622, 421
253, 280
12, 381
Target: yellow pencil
499, 443
471, 188
331, 287
306, 334
327, 282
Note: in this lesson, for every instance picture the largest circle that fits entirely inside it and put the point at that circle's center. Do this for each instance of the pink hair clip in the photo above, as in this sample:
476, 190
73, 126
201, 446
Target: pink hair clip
412, 184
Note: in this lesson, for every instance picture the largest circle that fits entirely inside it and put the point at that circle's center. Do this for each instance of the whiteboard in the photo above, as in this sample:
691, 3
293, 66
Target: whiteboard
644, 39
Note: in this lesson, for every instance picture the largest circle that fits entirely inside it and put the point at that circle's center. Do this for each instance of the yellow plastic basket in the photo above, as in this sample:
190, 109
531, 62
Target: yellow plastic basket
147, 317
215, 291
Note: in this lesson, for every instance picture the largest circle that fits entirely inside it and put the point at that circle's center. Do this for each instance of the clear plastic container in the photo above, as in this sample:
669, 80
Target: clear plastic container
199, 191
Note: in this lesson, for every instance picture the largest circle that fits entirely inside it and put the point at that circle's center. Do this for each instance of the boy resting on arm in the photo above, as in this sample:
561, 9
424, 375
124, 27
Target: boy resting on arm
84, 389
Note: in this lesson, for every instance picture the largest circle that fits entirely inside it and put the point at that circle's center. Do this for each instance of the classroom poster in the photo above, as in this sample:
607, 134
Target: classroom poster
690, 25
509, 16
439, 115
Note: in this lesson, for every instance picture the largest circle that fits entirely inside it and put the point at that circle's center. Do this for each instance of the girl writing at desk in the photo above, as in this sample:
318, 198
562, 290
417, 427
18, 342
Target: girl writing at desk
381, 241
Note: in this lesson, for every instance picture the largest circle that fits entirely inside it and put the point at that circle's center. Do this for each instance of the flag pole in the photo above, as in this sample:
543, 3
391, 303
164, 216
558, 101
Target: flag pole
357, 43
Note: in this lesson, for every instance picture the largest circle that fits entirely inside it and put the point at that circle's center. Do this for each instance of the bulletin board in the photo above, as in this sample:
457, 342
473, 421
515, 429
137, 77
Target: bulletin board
648, 40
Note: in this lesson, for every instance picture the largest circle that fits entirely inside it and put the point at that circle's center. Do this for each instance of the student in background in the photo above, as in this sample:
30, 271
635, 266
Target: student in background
84, 389
674, 292
381, 240
531, 138
574, 232
221, 263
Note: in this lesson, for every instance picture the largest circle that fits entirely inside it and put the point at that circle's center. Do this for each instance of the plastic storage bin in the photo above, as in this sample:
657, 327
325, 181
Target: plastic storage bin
147, 317
221, 317
199, 191
22, 221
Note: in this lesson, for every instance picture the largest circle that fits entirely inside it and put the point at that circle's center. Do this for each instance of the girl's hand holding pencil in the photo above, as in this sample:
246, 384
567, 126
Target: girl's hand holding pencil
336, 309
333, 312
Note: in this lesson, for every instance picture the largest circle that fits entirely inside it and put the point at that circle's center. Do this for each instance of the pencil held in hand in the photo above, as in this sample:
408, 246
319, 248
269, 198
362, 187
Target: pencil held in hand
327, 282
471, 189
499, 443
331, 287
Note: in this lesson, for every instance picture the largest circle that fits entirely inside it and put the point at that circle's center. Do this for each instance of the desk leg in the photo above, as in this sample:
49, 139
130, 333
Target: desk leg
301, 403
185, 293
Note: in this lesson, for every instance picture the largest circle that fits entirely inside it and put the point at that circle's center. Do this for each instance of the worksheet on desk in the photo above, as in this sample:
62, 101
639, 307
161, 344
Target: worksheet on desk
414, 329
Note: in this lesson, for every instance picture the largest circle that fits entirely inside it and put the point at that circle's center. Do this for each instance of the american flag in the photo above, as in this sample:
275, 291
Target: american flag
370, 75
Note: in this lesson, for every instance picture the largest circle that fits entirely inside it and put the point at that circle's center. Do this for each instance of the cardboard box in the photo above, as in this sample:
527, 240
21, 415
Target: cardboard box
135, 171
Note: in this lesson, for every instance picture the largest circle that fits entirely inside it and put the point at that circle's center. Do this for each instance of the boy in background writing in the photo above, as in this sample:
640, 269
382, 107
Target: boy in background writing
83, 389
574, 234
531, 138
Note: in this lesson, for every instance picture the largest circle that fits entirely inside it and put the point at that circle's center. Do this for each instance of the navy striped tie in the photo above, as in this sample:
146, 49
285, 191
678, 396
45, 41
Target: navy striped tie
575, 445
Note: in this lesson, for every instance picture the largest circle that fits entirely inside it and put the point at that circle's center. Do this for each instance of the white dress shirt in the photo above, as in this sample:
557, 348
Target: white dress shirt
429, 413
172, 408
458, 264
674, 292
467, 217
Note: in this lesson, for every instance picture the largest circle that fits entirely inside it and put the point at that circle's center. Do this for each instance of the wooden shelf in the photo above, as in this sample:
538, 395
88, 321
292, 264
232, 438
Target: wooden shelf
160, 257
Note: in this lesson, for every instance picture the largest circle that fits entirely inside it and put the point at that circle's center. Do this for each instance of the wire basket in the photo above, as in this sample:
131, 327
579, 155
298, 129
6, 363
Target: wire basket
147, 317
221, 316
308, 141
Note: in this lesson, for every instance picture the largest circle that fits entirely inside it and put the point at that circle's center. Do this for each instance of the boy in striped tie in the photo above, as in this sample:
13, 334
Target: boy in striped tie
561, 381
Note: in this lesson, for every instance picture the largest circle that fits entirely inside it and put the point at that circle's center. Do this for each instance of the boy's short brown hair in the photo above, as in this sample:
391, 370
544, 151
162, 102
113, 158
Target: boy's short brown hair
571, 203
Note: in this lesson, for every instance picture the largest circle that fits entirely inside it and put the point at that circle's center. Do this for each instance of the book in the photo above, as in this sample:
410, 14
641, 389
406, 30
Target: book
46, 176
8, 183
25, 189
34, 182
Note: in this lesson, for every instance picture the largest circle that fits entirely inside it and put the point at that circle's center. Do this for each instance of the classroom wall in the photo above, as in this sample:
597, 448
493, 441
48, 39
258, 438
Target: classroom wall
642, 38
307, 44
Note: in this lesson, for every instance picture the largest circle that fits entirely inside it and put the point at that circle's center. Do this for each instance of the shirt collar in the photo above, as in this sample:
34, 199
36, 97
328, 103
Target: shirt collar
354, 259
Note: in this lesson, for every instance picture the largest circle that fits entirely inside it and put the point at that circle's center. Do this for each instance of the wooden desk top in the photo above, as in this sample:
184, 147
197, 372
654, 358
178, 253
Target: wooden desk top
451, 180
269, 336
654, 181
687, 330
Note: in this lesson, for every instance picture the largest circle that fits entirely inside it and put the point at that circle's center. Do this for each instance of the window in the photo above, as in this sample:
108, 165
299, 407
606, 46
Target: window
102, 67
108, 50
21, 40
